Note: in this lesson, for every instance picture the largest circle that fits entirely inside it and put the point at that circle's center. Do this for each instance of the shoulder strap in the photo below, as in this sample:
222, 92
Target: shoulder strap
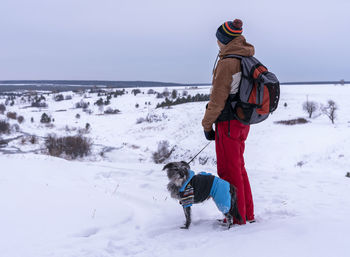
232, 56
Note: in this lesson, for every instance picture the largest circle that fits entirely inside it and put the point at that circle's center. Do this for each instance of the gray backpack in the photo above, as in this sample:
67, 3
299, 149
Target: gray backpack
259, 91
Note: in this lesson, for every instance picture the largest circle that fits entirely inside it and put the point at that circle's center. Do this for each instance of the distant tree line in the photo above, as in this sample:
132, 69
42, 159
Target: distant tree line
182, 100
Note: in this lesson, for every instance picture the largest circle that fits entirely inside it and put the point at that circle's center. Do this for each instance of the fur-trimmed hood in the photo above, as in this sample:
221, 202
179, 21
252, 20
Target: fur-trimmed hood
238, 46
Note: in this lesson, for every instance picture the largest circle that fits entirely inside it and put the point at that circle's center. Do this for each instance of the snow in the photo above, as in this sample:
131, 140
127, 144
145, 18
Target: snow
118, 205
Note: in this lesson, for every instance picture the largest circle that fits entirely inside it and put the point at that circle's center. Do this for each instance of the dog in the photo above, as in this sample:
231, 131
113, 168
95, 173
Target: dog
189, 189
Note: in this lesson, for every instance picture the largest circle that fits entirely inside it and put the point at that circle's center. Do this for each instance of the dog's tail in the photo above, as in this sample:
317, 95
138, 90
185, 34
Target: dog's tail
234, 208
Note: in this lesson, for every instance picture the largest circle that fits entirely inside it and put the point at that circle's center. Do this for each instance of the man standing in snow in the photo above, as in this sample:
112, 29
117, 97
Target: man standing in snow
229, 134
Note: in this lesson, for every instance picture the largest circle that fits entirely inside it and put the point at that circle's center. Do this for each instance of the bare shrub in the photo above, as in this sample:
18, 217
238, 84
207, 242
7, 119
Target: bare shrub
39, 102
174, 94
166, 92
300, 164
4, 127
77, 116
150, 91
23, 141
310, 107
203, 160
151, 118
70, 146
111, 111
329, 110
2, 108
88, 111
292, 122
69, 129
163, 152
31, 119
159, 95
135, 91
11, 115
82, 104
119, 92
85, 130
20, 119
59, 98
45, 118
33, 139
99, 102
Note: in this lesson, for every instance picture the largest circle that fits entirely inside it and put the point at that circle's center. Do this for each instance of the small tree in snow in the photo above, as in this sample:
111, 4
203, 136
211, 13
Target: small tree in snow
4, 127
45, 118
310, 107
329, 110
150, 91
174, 94
136, 91
166, 92
2, 108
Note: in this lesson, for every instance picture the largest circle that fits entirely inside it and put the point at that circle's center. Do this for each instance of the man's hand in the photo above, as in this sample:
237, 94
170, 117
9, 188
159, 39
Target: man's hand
210, 135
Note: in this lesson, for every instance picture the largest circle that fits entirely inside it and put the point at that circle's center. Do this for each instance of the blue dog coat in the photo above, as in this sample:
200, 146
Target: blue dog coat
198, 188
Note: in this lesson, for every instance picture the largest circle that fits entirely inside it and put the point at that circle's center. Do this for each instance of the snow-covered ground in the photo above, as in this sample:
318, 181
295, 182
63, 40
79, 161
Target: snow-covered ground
117, 204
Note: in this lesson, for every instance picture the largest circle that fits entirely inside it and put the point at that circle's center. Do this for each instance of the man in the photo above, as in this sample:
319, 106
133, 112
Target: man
229, 134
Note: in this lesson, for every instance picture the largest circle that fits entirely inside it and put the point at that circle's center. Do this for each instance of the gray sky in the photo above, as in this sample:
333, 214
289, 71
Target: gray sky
170, 41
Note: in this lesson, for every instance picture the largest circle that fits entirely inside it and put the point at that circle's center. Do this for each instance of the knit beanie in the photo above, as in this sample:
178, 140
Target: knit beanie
229, 30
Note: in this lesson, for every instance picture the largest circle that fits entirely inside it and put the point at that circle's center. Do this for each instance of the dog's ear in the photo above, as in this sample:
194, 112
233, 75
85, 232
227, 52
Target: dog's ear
185, 164
183, 169
170, 165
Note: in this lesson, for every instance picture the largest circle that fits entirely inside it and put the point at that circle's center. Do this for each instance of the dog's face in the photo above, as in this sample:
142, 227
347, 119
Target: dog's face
177, 173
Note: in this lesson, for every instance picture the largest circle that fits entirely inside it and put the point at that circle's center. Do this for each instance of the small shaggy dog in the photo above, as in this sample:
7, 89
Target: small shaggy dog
189, 188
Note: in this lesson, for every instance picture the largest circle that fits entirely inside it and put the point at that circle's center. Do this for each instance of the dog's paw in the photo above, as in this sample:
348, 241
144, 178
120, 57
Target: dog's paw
184, 227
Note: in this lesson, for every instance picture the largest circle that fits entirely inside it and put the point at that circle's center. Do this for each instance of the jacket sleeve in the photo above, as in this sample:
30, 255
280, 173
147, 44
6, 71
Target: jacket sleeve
220, 90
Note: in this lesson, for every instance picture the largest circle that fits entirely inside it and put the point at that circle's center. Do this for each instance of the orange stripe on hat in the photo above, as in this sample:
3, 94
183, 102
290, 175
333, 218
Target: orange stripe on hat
229, 33
234, 31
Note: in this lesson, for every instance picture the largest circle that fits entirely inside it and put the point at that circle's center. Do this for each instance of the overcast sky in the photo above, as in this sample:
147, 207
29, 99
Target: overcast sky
170, 41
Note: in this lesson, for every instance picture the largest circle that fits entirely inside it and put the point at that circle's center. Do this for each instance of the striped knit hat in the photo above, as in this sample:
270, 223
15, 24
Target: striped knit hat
229, 30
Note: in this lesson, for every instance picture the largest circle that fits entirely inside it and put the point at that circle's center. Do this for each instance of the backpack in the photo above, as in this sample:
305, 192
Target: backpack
259, 92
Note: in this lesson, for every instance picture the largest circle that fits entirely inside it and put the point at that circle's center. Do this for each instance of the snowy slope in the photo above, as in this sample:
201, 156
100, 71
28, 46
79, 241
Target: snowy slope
118, 205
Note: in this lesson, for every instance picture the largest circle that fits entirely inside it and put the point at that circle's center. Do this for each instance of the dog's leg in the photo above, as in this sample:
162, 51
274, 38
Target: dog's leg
187, 212
229, 220
234, 208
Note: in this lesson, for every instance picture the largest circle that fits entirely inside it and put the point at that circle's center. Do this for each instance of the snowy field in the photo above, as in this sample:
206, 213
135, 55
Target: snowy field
115, 203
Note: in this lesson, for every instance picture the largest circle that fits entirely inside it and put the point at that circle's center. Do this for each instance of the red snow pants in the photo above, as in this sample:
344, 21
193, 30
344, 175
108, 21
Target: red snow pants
229, 143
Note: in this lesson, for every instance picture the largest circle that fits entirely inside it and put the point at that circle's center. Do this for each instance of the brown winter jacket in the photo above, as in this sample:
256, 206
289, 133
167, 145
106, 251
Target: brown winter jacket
223, 78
